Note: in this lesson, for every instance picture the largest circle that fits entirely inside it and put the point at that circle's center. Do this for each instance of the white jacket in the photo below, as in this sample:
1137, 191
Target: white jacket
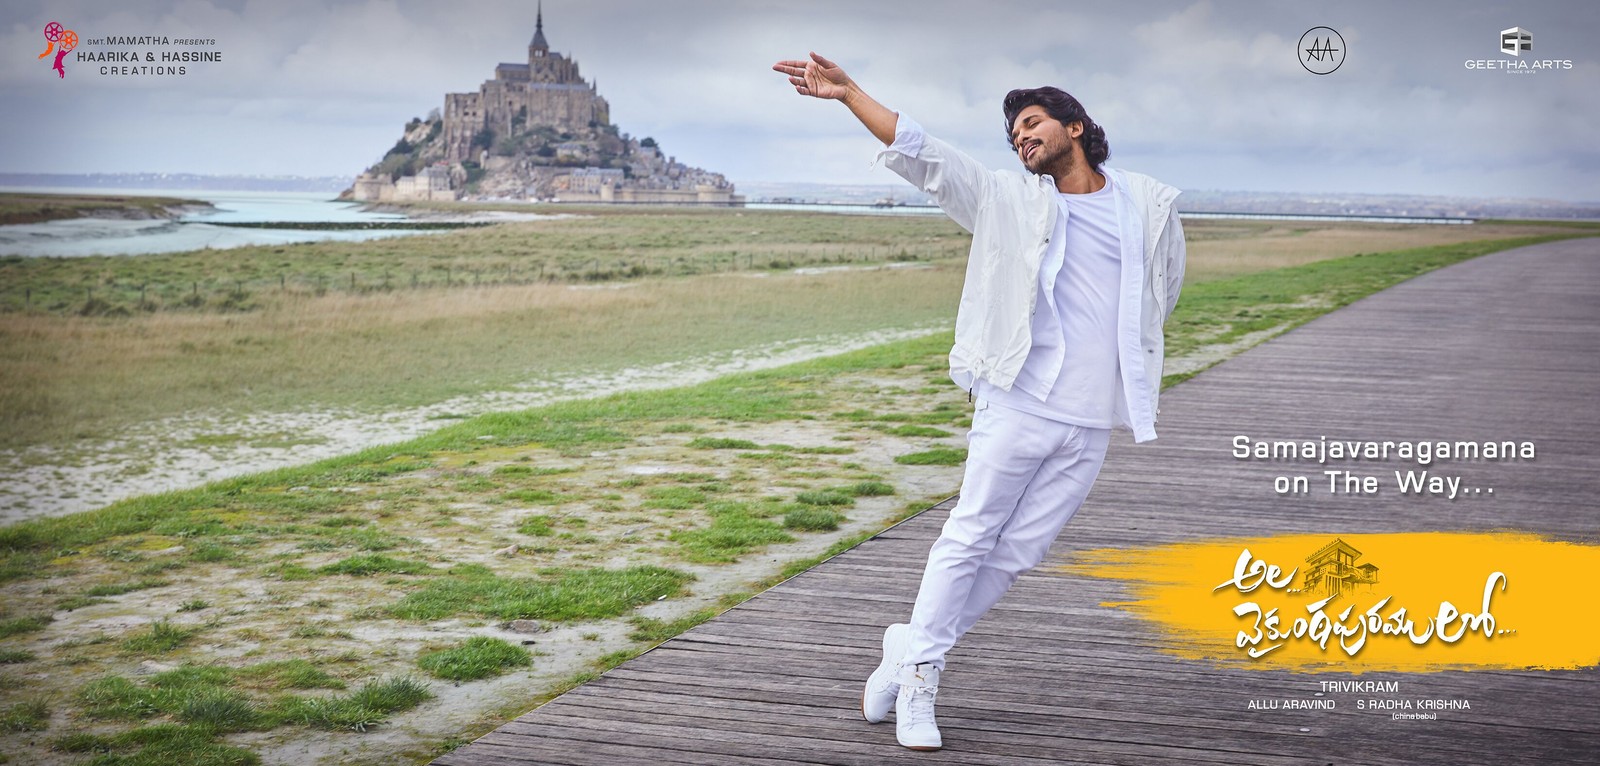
1011, 216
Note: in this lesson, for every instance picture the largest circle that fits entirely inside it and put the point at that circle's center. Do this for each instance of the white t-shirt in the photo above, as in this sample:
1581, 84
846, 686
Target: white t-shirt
1071, 373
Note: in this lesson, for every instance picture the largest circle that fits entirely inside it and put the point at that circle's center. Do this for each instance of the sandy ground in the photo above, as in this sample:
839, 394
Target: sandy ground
252, 618
188, 451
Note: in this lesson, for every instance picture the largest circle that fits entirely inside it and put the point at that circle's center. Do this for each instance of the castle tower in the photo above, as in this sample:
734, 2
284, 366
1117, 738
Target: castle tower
539, 48
548, 90
545, 65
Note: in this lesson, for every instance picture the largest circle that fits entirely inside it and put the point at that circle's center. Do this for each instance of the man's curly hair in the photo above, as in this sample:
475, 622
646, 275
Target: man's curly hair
1060, 105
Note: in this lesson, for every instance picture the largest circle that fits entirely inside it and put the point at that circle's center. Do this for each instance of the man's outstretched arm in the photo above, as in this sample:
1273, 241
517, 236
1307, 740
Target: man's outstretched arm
821, 78
957, 182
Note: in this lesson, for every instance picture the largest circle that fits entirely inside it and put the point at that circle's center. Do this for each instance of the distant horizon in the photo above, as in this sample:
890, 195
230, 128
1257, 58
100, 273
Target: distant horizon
6, 183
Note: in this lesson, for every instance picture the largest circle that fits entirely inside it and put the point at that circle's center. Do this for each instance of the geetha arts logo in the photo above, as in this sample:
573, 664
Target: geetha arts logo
1516, 40
1321, 50
55, 35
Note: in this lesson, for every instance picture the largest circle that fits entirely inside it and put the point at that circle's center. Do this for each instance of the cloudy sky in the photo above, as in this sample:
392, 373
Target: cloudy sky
1203, 94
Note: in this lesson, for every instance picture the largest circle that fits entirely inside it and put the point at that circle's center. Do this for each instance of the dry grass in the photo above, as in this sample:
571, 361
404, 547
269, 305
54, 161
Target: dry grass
1219, 249
68, 377
82, 377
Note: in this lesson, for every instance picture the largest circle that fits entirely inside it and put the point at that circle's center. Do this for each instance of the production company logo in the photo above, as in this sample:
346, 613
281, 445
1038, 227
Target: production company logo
1321, 50
60, 41
1514, 42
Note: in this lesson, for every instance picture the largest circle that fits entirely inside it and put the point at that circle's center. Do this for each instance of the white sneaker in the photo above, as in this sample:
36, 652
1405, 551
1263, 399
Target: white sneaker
882, 686
914, 725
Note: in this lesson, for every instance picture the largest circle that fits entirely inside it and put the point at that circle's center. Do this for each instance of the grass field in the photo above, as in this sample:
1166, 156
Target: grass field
288, 344
359, 604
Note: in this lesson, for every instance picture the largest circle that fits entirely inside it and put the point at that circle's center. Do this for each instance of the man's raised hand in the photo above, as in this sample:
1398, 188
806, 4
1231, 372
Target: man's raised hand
822, 78
817, 77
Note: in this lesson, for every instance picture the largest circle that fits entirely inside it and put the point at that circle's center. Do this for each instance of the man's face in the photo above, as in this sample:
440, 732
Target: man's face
1042, 143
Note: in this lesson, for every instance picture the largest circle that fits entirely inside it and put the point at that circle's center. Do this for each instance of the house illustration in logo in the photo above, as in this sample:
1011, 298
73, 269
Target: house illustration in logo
1333, 570
1516, 40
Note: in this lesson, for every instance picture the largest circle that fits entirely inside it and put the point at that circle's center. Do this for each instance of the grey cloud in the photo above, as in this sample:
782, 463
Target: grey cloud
1208, 93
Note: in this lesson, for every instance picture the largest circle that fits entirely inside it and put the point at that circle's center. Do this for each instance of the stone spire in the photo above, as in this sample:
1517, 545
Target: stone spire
538, 31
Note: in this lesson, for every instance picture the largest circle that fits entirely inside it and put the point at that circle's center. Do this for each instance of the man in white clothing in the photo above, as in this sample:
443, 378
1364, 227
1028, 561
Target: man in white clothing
1073, 271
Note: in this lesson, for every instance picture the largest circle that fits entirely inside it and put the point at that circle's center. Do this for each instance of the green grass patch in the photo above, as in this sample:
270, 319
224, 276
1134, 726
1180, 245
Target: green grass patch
116, 697
117, 589
15, 656
287, 674
918, 431
221, 710
825, 497
371, 564
673, 498
709, 442
735, 530
159, 638
655, 631
289, 572
537, 526
360, 710
477, 657
211, 553
564, 595
19, 625
28, 715
536, 497
334, 522
867, 489
159, 745
941, 456
812, 519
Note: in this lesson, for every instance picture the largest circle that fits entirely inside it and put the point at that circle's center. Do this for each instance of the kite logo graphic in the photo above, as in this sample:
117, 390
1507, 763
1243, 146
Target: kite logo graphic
54, 34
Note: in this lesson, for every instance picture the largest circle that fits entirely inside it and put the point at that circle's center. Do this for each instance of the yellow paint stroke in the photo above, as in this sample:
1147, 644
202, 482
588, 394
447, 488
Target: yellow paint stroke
1544, 616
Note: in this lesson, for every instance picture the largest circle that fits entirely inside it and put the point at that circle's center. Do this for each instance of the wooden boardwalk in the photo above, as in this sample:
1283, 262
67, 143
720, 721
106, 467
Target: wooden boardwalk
1501, 347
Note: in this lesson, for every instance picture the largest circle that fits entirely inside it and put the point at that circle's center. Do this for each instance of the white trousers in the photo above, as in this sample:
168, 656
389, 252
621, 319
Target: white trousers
1025, 477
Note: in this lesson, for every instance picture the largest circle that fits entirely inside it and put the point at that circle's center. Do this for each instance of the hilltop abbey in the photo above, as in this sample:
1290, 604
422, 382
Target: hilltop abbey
537, 131
547, 90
